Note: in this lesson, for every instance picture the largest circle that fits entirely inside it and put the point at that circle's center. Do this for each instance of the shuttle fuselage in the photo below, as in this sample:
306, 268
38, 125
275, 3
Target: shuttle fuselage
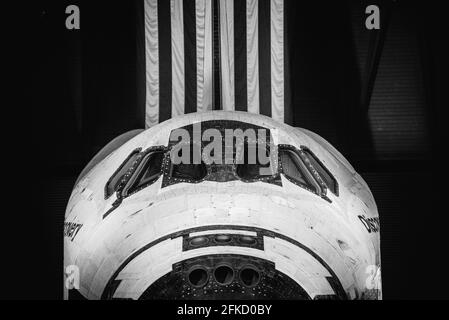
141, 224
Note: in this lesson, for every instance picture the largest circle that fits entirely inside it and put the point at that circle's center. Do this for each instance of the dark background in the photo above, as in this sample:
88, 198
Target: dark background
380, 97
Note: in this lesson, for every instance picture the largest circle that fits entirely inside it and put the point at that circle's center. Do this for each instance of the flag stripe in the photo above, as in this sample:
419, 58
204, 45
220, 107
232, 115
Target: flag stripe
240, 78
227, 54
264, 57
190, 56
288, 116
252, 55
204, 54
177, 53
165, 66
152, 63
253, 68
277, 59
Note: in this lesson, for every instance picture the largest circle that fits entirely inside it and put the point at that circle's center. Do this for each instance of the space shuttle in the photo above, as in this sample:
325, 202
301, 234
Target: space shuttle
181, 211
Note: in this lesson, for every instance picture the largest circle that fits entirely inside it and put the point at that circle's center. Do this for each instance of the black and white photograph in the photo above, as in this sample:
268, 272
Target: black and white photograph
221, 156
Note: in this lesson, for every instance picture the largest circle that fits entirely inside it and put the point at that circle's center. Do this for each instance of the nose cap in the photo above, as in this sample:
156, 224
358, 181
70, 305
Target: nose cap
224, 277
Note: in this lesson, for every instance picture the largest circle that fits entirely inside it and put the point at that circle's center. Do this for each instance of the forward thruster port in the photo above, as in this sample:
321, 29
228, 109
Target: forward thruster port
249, 276
223, 238
199, 241
224, 275
198, 276
247, 240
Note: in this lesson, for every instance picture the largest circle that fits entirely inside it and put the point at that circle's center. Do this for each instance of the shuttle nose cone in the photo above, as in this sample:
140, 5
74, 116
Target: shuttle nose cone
212, 246
224, 276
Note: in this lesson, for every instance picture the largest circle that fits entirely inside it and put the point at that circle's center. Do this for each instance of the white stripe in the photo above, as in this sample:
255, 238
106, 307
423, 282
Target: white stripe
152, 64
221, 231
203, 14
277, 59
177, 53
227, 54
252, 55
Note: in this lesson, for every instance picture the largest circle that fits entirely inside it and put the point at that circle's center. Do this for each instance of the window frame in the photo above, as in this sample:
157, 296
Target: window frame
107, 195
336, 191
274, 176
308, 172
134, 172
169, 180
168, 169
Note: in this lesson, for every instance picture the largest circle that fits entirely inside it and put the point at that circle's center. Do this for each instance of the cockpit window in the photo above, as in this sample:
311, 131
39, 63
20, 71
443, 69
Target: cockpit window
294, 168
117, 177
249, 165
149, 170
190, 171
325, 175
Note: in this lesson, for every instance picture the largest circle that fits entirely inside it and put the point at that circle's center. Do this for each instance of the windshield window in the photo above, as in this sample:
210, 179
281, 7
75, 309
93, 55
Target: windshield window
220, 143
294, 168
148, 172
325, 175
117, 177
252, 167
189, 171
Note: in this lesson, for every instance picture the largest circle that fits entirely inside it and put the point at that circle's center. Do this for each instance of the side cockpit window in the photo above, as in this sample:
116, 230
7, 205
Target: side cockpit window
148, 171
322, 171
294, 168
114, 182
